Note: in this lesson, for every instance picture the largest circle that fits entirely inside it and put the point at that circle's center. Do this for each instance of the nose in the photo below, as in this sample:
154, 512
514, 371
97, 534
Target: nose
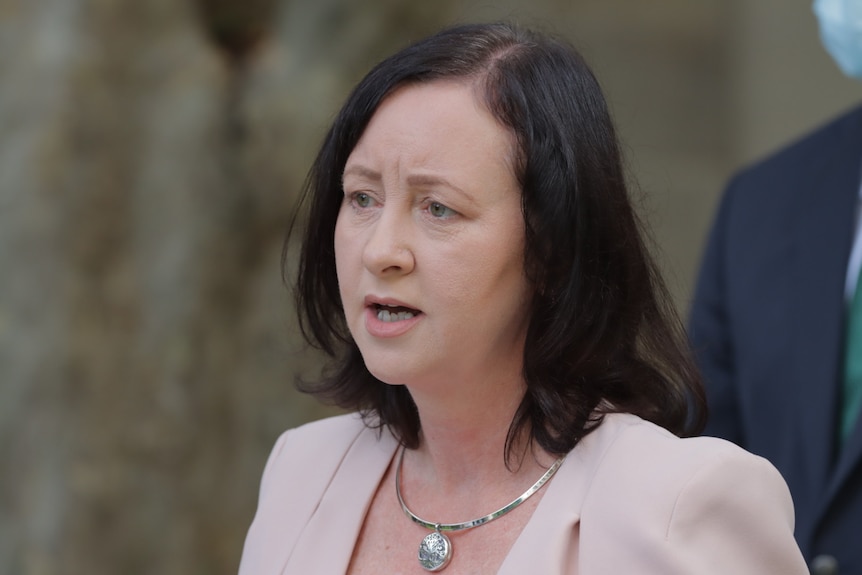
388, 247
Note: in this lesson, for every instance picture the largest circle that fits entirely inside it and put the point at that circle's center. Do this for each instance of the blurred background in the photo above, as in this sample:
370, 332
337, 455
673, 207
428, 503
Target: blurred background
150, 155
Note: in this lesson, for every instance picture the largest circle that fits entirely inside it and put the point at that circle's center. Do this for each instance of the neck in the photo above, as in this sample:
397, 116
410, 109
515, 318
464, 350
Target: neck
456, 454
459, 473
461, 431
463, 447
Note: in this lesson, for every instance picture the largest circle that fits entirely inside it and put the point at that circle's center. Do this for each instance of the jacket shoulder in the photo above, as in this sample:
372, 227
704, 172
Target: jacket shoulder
339, 427
843, 130
646, 471
694, 505
318, 444
660, 457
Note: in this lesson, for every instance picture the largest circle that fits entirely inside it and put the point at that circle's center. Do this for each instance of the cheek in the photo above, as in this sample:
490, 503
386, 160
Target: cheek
486, 276
343, 256
338, 234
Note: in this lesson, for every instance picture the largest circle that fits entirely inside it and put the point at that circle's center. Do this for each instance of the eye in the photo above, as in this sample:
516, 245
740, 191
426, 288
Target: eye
361, 199
438, 210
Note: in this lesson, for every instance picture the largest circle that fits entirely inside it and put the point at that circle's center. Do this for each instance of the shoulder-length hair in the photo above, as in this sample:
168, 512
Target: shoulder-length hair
602, 336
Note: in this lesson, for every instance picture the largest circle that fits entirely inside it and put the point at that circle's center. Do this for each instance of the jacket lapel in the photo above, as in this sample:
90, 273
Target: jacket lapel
327, 542
824, 233
554, 524
550, 541
826, 225
849, 461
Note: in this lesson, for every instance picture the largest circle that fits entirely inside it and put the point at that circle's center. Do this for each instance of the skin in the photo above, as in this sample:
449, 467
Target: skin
431, 223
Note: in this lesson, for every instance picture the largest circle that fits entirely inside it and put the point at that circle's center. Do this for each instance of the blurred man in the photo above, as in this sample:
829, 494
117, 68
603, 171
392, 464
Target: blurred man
774, 324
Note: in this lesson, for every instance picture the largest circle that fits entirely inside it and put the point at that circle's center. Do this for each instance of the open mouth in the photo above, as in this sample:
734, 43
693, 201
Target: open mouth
390, 313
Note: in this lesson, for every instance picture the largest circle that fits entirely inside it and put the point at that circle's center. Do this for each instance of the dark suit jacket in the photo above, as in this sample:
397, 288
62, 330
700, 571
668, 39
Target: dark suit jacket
767, 327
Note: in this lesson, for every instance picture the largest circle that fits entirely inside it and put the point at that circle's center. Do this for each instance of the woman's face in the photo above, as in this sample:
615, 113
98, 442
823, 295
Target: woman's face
429, 242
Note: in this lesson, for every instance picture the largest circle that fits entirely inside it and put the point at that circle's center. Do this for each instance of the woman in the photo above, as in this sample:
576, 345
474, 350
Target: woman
474, 267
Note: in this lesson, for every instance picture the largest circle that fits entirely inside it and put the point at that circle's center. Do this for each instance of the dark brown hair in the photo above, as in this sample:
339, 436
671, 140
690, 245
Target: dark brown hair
603, 335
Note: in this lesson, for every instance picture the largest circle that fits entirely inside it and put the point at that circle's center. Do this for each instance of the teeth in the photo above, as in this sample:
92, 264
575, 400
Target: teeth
386, 315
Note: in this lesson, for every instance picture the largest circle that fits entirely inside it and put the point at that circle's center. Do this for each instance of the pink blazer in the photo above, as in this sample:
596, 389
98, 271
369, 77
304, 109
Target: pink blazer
630, 499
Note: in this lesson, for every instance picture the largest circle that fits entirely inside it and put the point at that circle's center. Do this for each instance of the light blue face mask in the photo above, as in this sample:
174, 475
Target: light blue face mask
841, 32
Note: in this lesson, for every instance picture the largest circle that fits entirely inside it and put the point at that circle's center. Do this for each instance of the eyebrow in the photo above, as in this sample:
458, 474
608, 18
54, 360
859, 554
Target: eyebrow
361, 172
429, 180
413, 180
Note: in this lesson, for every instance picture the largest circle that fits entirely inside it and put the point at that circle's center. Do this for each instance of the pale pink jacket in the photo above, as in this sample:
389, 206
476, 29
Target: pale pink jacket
630, 499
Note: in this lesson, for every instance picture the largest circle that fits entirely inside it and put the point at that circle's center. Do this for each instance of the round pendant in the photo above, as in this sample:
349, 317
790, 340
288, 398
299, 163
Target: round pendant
435, 551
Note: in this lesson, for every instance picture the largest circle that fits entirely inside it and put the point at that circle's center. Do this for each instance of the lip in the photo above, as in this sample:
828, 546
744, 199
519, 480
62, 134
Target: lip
387, 329
373, 300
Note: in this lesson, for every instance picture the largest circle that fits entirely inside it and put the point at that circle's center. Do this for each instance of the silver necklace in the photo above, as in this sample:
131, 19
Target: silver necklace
435, 551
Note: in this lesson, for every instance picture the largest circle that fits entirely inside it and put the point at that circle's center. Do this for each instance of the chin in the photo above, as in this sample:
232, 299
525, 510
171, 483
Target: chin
387, 376
391, 365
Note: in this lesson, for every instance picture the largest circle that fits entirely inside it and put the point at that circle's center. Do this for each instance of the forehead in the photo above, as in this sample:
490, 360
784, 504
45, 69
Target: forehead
433, 121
